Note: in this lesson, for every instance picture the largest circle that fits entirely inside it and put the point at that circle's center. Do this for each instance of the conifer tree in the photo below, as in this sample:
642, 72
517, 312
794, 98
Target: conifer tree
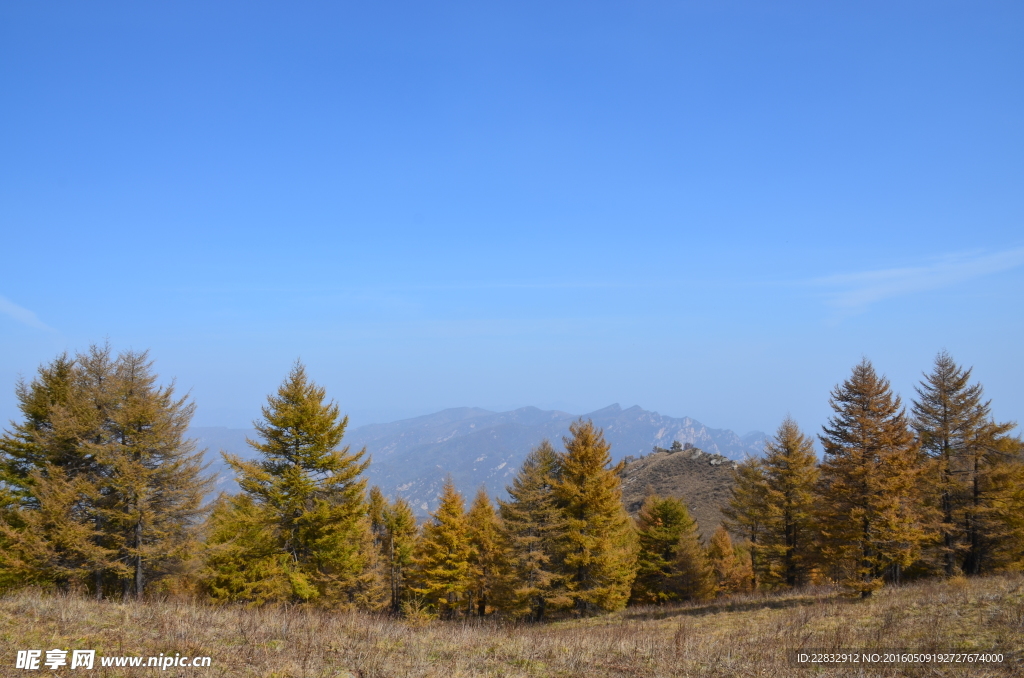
52, 428
791, 474
394, 531
969, 464
745, 567
244, 561
534, 528
731, 569
48, 530
488, 552
399, 541
1001, 523
772, 507
692, 575
102, 456
663, 523
154, 486
443, 571
309, 492
599, 546
747, 513
870, 505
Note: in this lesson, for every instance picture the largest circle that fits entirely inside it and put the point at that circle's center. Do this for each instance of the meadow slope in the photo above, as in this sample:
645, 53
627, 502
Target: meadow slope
744, 636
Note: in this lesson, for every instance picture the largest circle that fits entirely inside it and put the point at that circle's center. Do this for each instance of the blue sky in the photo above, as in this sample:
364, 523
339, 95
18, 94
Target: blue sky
711, 209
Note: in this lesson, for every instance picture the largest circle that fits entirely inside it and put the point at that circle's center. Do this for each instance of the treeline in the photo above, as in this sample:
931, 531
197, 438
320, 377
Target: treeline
936, 491
101, 492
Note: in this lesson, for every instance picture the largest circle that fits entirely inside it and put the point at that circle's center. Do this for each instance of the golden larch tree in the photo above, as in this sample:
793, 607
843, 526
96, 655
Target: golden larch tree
974, 467
489, 552
599, 547
443, 573
870, 505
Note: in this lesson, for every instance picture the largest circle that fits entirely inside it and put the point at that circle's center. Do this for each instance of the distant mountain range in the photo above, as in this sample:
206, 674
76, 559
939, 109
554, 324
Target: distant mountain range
477, 447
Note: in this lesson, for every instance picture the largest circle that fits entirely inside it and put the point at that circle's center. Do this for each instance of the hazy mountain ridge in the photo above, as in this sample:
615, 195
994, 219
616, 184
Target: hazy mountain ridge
477, 447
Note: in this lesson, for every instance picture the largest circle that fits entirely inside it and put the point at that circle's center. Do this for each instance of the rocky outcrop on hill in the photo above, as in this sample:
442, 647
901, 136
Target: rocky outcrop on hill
702, 480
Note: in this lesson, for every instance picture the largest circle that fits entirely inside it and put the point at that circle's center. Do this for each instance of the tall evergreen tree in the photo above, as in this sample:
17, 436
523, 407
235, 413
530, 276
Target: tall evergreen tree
154, 487
747, 514
55, 542
693, 577
791, 474
442, 563
101, 456
488, 557
956, 430
772, 507
399, 542
600, 544
534, 527
309, 492
870, 507
48, 531
663, 525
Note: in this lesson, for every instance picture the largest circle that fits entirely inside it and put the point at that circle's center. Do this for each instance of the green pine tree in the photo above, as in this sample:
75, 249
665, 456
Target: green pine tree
244, 561
154, 489
663, 523
534, 527
47, 535
309, 492
48, 486
376, 506
599, 546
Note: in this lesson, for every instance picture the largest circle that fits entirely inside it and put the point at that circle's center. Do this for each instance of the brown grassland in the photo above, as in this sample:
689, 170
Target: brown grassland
739, 636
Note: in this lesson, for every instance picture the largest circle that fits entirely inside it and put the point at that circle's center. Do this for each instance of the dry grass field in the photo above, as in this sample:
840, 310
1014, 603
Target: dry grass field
746, 636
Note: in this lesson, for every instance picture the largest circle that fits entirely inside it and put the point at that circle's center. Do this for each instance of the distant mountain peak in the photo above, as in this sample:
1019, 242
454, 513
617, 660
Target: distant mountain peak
614, 408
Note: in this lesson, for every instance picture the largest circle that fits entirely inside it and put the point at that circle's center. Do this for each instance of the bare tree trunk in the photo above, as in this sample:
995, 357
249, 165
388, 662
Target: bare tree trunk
138, 559
975, 559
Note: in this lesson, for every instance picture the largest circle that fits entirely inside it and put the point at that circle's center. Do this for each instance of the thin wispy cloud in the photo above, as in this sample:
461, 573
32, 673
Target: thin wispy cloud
22, 315
855, 292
